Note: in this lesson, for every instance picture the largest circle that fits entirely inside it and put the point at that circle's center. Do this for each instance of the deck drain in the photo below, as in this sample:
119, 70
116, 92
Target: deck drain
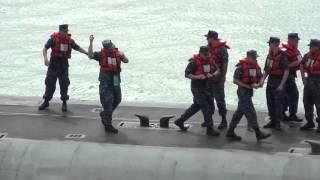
75, 136
3, 135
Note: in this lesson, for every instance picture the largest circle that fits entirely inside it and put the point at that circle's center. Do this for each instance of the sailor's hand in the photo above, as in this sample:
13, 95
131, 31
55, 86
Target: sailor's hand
202, 76
255, 85
210, 75
279, 88
46, 62
91, 38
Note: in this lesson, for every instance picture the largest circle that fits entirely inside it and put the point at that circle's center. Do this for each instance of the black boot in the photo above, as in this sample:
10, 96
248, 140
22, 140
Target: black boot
111, 129
308, 126
64, 106
224, 123
270, 125
285, 117
318, 128
203, 124
180, 124
101, 116
232, 135
295, 118
212, 132
44, 105
278, 126
261, 135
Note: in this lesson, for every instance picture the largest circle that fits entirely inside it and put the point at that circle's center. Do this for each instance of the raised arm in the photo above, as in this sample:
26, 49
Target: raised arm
90, 51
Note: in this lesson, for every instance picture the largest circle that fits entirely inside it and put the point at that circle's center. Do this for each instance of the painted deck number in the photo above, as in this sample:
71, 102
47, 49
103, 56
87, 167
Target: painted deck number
75, 136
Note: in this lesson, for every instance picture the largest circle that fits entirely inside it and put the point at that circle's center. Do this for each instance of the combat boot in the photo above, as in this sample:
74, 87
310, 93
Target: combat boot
101, 116
64, 106
203, 124
212, 132
270, 125
224, 123
232, 135
110, 129
44, 105
294, 118
261, 135
278, 126
308, 126
181, 125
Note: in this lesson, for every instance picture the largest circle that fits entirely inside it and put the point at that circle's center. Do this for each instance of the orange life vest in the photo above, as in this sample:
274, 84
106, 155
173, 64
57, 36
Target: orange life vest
62, 46
273, 64
214, 52
312, 65
203, 66
293, 55
111, 61
251, 72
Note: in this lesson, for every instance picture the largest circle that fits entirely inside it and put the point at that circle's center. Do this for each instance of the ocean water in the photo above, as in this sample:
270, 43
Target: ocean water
157, 36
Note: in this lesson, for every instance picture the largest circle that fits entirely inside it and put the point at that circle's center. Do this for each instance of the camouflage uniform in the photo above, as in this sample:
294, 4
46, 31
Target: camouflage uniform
275, 98
245, 105
217, 89
109, 91
57, 69
311, 93
201, 98
311, 98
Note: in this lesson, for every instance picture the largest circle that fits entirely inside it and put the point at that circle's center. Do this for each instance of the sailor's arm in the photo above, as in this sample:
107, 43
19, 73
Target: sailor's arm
124, 58
48, 45
90, 51
76, 47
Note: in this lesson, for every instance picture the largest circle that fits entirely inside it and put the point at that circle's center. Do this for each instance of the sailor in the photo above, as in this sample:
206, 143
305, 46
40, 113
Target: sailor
110, 59
277, 70
199, 70
61, 45
310, 65
247, 76
219, 53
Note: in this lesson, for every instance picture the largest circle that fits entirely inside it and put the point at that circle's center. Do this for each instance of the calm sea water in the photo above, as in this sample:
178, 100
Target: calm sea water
158, 37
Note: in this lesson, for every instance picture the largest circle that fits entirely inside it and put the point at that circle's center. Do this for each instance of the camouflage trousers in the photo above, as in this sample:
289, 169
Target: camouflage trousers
110, 96
311, 98
218, 95
246, 108
292, 96
57, 71
275, 103
201, 101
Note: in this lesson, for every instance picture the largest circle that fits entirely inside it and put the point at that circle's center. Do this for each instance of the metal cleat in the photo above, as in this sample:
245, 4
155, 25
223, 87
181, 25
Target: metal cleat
144, 120
164, 121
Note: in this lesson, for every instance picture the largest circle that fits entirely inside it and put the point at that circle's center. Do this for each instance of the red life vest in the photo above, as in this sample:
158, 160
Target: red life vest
293, 55
312, 65
214, 52
273, 64
111, 61
251, 72
203, 66
62, 46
